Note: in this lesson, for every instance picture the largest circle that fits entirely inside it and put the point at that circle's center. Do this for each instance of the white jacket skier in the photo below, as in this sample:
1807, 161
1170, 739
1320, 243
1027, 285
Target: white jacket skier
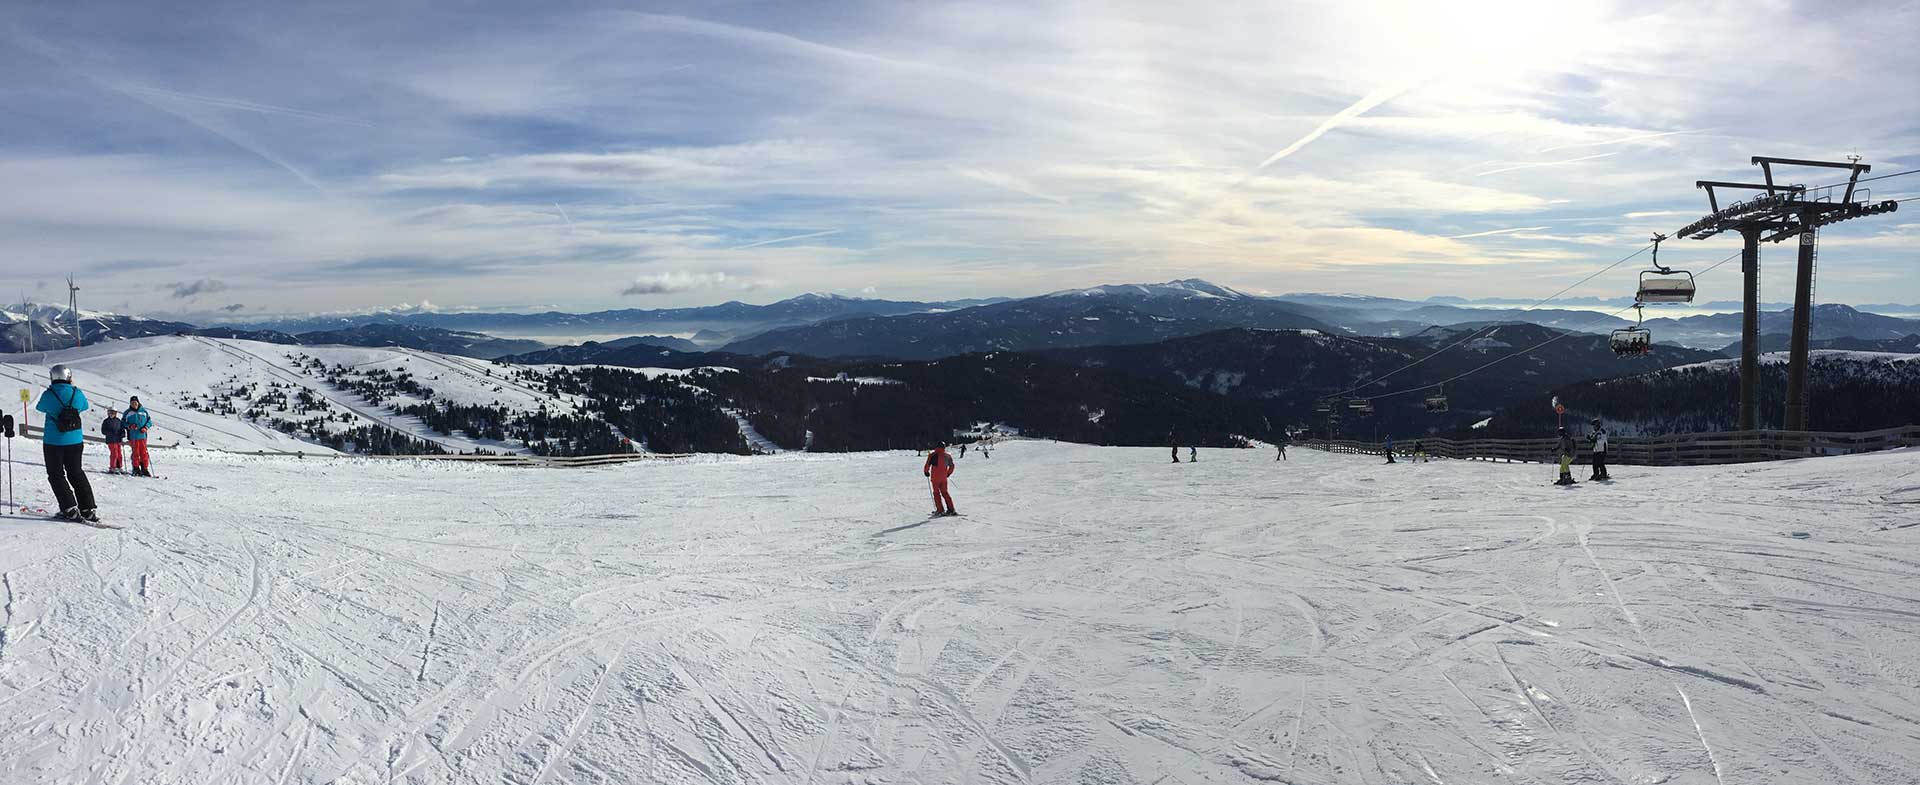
1599, 439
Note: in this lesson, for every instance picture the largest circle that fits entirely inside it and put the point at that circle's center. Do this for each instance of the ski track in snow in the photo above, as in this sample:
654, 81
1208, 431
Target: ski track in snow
1098, 617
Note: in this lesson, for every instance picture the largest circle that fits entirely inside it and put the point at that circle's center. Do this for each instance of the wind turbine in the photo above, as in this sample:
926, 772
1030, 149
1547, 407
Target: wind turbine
73, 307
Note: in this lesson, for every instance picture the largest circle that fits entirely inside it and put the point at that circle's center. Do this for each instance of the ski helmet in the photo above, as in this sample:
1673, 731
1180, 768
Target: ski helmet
60, 373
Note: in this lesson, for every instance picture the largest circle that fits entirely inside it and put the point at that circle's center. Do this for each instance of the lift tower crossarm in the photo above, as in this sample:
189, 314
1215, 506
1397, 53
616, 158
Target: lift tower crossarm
1720, 220
1847, 211
1766, 163
1768, 187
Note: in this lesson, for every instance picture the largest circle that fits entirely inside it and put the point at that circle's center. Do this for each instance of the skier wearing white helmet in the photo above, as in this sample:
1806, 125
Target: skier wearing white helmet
63, 441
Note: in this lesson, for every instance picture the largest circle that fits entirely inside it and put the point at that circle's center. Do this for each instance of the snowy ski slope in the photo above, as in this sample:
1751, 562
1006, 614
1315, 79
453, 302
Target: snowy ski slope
1100, 616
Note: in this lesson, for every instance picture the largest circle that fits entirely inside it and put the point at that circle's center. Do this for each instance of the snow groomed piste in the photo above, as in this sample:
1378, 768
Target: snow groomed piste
1101, 615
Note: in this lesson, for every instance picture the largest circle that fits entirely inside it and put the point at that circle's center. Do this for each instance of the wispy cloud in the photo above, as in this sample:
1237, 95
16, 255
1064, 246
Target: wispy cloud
1357, 108
1539, 164
238, 105
1621, 140
1006, 181
787, 239
1491, 232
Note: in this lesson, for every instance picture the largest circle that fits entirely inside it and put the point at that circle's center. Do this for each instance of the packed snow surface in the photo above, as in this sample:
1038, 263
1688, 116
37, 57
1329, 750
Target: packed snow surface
1099, 616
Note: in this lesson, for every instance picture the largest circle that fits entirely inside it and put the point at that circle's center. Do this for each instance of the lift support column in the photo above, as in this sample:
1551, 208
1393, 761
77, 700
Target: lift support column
1750, 330
1796, 419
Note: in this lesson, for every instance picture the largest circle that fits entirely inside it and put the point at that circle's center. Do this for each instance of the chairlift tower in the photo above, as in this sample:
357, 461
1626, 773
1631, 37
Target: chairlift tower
1783, 212
1751, 218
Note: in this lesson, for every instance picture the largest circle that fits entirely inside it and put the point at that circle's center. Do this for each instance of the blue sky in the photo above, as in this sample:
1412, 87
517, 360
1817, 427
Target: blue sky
209, 159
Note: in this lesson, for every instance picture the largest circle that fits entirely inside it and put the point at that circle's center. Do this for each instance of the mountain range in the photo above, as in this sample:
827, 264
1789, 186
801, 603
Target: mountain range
849, 327
719, 322
1083, 317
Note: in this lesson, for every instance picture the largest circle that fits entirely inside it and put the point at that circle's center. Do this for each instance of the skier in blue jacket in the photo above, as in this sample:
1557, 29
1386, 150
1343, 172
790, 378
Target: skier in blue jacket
63, 441
138, 424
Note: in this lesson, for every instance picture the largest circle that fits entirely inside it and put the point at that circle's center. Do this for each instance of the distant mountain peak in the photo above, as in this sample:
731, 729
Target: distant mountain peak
1184, 288
811, 297
47, 312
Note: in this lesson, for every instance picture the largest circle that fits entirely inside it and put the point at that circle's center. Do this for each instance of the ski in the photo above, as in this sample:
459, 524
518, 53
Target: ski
57, 519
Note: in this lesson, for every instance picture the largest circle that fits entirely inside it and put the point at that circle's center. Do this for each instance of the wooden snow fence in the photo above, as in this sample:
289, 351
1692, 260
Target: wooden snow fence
523, 461
1684, 449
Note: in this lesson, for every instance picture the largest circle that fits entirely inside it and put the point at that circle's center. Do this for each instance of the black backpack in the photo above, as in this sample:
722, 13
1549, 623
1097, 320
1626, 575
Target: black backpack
69, 418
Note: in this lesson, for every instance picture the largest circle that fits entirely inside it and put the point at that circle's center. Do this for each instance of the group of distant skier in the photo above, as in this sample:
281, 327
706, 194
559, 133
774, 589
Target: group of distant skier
1569, 449
63, 442
1418, 454
1566, 449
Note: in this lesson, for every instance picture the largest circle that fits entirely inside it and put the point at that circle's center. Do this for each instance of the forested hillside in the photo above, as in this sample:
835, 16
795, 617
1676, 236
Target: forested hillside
1849, 391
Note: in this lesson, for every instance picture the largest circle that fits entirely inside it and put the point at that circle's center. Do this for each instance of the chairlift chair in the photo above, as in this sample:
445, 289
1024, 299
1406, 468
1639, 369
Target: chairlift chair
1632, 341
1360, 406
1437, 402
1663, 284
1323, 407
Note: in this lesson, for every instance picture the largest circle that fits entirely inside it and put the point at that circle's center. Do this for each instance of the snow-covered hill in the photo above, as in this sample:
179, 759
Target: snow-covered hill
1100, 616
184, 379
42, 326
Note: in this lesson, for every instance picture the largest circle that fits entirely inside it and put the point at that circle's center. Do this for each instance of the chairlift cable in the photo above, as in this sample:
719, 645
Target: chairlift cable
1867, 179
1583, 331
1473, 333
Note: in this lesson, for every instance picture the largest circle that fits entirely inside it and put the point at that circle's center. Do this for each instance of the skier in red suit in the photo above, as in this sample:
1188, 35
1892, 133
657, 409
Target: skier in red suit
938, 468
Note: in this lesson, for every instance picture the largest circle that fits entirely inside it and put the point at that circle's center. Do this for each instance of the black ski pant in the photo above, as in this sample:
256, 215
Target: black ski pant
1599, 465
67, 476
